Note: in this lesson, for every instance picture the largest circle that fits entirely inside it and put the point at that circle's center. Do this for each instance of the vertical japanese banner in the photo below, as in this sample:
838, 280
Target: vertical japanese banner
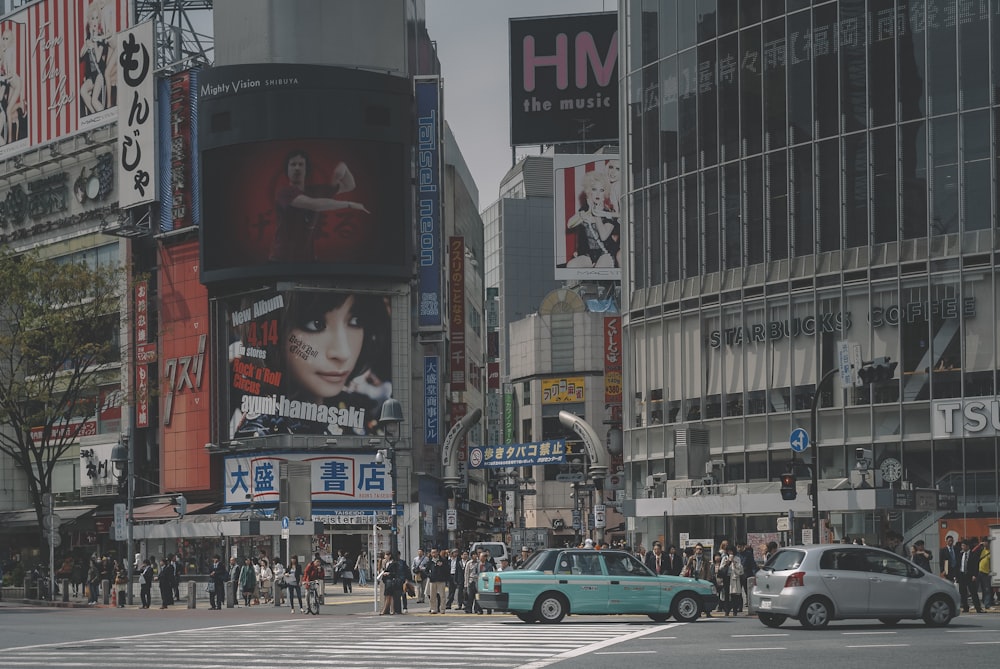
456, 287
427, 92
141, 369
493, 376
508, 413
612, 360
136, 117
180, 144
432, 387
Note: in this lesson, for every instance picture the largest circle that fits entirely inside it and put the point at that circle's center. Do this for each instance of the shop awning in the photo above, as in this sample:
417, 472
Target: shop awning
165, 510
26, 518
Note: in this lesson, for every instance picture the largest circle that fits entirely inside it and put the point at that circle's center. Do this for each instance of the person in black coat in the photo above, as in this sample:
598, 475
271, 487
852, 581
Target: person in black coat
657, 560
166, 585
218, 576
676, 559
949, 559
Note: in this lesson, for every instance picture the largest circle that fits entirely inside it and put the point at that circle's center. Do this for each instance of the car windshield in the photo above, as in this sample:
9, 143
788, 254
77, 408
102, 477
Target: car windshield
784, 560
541, 561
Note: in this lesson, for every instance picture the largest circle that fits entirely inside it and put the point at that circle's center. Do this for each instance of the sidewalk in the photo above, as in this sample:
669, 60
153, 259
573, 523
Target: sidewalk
360, 594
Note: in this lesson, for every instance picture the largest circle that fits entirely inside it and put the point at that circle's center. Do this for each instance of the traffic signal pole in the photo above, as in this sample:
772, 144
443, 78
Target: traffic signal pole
814, 434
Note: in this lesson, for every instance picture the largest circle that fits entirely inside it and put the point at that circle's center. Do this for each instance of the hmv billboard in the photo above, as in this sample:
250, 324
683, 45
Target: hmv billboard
564, 79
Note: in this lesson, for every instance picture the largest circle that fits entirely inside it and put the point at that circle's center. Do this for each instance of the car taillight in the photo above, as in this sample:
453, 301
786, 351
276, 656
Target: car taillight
496, 585
795, 580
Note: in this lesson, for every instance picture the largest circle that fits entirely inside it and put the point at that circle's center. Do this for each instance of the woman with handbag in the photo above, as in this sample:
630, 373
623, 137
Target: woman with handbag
279, 583
392, 587
346, 574
266, 581
248, 582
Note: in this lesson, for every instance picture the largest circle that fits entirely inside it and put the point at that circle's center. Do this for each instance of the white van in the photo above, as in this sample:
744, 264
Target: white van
497, 550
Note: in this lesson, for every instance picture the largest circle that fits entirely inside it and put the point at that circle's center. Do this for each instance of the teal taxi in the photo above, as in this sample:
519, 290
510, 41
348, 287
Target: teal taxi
556, 582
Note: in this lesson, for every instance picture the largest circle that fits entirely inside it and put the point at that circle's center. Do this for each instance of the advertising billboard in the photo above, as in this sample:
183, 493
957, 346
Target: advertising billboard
59, 67
184, 386
428, 97
343, 477
587, 225
304, 172
456, 312
137, 115
311, 362
563, 391
612, 360
564, 79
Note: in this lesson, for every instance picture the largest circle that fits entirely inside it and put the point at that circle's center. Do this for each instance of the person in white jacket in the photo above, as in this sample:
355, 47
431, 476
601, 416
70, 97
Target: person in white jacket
727, 577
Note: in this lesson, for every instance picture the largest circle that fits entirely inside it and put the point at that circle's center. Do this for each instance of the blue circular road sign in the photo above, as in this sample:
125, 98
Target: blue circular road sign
799, 440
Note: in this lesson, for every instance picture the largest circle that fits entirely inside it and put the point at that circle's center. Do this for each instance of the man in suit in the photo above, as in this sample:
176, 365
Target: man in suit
949, 559
676, 560
699, 566
218, 576
968, 572
657, 561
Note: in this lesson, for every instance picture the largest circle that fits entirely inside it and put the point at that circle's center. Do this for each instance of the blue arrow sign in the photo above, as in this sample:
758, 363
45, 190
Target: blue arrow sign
799, 440
284, 523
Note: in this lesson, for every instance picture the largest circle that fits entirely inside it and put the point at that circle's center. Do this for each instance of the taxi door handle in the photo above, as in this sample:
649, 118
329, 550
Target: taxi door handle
616, 582
563, 581
830, 577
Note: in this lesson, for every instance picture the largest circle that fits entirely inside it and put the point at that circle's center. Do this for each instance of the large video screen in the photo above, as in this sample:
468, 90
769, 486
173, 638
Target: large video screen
313, 362
305, 172
303, 202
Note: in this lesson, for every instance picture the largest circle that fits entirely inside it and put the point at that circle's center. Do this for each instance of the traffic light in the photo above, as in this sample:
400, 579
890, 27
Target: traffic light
182, 505
788, 490
877, 371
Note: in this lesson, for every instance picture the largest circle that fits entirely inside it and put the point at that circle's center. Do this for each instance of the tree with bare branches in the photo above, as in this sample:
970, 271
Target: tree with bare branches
59, 341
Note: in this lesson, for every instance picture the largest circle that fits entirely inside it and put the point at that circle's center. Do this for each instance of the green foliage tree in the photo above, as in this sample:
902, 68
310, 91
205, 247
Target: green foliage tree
59, 334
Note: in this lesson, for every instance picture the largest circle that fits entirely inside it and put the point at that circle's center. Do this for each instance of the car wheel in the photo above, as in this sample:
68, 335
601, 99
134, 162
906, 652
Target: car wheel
939, 611
660, 617
815, 613
772, 619
889, 621
525, 616
551, 608
686, 607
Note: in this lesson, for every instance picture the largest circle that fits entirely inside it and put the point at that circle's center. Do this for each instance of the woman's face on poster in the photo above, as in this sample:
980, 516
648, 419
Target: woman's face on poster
94, 20
596, 193
614, 170
323, 351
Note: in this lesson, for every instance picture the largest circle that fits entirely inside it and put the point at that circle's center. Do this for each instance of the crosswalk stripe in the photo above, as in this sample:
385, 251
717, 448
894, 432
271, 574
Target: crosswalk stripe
314, 642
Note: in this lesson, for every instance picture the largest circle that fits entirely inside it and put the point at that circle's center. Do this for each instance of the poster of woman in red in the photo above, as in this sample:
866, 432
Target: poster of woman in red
304, 204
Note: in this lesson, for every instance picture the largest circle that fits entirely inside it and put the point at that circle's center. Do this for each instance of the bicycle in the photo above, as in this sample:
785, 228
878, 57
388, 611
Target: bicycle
312, 598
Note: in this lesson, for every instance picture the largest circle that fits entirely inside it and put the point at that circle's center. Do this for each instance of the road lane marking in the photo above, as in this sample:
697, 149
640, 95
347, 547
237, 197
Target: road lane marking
743, 650
592, 648
864, 633
881, 645
660, 638
980, 643
754, 636
627, 652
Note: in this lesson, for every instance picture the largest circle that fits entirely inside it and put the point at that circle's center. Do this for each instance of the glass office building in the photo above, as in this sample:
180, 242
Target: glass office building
802, 174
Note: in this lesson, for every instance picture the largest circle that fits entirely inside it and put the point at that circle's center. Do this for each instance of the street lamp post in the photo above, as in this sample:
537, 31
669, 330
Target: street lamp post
391, 420
123, 460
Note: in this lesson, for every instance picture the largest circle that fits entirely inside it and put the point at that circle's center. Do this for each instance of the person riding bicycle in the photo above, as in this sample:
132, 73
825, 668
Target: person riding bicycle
313, 573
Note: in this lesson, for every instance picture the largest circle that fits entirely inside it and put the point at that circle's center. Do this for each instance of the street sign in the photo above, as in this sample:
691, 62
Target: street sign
121, 531
51, 522
799, 440
844, 362
572, 477
529, 491
451, 519
856, 364
807, 536
284, 522
783, 524
600, 517
506, 486
55, 540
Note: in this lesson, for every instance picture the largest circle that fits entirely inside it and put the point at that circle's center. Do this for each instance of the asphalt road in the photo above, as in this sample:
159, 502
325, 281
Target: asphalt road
347, 633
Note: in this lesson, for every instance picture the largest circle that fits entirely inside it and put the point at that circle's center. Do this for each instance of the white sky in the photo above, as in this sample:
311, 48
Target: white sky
472, 44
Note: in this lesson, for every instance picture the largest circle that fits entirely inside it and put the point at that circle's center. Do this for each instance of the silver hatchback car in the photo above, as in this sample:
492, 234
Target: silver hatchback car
819, 583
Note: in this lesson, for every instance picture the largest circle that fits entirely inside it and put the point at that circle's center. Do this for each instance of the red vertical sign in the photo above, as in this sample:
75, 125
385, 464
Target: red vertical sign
456, 285
612, 360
